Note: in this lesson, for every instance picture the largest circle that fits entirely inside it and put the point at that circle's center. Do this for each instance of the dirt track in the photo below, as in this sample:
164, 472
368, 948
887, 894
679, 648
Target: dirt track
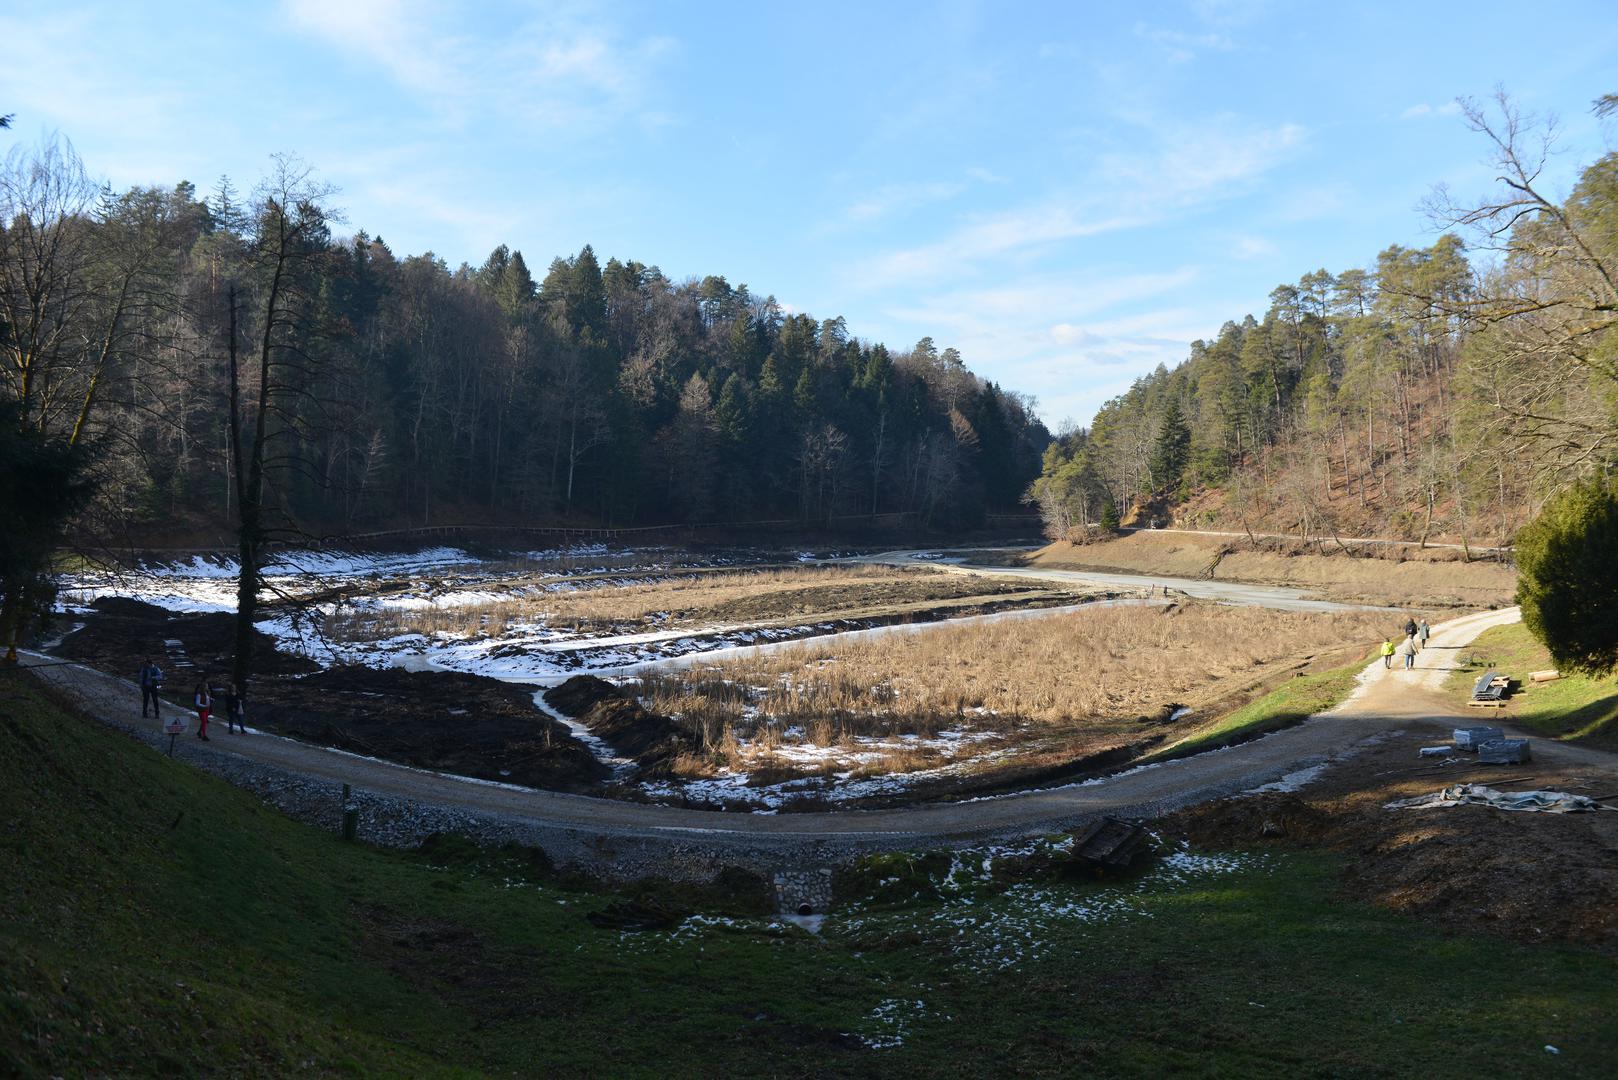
606, 833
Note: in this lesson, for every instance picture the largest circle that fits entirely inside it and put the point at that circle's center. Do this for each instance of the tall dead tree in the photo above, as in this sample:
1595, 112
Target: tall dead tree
269, 383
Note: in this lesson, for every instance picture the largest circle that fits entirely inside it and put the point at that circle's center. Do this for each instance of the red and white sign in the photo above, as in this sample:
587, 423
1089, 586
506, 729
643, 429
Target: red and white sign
175, 725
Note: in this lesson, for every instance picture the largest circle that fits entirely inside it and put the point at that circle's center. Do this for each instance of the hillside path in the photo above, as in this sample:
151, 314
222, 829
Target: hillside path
639, 836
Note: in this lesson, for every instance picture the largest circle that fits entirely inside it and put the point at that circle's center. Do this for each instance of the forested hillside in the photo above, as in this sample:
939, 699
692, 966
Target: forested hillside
219, 350
1446, 390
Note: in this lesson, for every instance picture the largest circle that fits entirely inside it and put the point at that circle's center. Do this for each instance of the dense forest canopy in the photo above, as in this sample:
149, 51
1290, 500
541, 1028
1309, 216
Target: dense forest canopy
1447, 389
396, 390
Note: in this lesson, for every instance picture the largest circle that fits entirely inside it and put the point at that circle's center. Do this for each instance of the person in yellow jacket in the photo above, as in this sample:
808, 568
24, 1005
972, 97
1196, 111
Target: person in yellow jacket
1387, 652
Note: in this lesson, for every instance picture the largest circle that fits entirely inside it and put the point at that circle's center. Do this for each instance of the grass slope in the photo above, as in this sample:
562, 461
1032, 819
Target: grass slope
158, 922
1573, 708
1293, 702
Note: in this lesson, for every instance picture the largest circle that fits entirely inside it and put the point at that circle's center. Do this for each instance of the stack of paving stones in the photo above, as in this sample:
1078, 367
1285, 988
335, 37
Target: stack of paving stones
1503, 752
1471, 738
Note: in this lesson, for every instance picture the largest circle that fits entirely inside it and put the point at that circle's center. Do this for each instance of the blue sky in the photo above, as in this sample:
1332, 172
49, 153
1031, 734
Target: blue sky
1069, 193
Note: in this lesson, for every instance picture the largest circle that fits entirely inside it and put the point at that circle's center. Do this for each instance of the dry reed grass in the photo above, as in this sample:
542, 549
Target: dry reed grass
1086, 676
808, 592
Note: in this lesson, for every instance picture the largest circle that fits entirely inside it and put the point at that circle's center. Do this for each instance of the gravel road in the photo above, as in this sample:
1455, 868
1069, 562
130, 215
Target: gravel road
399, 805
1225, 592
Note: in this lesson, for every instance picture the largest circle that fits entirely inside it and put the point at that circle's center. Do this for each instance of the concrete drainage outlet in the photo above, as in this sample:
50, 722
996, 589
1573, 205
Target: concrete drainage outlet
803, 896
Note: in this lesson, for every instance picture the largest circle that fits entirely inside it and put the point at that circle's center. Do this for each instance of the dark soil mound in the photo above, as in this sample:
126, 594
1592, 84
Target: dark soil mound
575, 697
447, 721
1241, 822
121, 634
1536, 877
128, 608
654, 741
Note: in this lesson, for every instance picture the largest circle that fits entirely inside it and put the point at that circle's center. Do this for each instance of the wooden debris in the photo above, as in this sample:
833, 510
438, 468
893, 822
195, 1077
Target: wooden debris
1109, 842
1544, 676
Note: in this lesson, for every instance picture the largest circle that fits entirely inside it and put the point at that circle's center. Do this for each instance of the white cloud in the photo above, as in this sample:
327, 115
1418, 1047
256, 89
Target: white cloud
552, 71
1056, 337
1189, 165
987, 237
894, 198
1253, 247
60, 81
1182, 46
1037, 300
1422, 109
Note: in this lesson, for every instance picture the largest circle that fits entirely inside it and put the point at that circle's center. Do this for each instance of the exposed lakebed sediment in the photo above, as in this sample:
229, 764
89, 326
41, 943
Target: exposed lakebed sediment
473, 704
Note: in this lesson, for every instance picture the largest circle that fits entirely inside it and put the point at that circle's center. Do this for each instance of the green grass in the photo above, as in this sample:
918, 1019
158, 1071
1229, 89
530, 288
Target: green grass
1573, 708
156, 922
1292, 702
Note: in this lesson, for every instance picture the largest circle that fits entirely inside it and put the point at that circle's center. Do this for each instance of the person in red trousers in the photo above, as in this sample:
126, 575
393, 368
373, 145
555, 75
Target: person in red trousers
204, 704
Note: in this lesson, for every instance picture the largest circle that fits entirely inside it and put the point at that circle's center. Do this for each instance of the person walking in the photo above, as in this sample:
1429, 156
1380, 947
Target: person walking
1410, 628
233, 710
1387, 652
1423, 632
1408, 650
204, 703
151, 681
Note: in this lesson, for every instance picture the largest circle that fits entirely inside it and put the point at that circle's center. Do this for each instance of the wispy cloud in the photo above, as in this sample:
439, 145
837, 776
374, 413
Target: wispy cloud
1062, 339
895, 198
1416, 112
1181, 46
55, 83
1188, 166
556, 70
995, 235
1253, 247
1032, 302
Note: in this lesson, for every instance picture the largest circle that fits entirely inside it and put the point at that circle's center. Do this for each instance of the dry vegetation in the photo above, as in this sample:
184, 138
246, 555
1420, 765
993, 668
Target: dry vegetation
1396, 575
1090, 680
751, 597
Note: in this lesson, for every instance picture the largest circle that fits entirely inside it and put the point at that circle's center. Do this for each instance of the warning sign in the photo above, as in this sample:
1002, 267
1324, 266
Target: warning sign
175, 725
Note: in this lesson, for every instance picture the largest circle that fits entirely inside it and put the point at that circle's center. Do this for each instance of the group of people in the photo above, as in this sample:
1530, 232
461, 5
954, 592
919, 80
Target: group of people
202, 699
1415, 640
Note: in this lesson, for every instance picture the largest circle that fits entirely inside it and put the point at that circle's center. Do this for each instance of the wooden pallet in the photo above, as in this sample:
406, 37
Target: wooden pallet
1109, 842
1487, 704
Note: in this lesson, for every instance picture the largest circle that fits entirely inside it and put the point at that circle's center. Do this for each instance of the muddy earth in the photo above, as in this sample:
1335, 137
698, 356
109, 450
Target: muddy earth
652, 740
449, 722
464, 724
120, 634
1530, 876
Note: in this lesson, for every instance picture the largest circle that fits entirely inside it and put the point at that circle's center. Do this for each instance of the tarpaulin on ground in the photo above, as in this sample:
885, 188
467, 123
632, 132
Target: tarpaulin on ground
1549, 802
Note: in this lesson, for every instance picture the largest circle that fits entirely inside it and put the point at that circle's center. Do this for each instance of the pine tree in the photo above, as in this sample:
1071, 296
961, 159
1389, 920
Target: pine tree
1109, 515
1171, 451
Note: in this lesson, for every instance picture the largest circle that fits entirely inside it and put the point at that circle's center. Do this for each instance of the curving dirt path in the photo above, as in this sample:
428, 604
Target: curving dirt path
1280, 597
620, 835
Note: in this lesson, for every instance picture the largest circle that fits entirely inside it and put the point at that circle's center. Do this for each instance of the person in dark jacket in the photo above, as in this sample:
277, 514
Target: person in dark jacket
151, 681
234, 710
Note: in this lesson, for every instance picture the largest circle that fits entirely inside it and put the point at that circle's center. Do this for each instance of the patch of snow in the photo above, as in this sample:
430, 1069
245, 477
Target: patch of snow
599, 749
1292, 781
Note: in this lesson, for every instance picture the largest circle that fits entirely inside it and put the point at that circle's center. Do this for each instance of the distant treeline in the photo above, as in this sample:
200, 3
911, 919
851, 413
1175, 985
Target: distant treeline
403, 391
1433, 393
